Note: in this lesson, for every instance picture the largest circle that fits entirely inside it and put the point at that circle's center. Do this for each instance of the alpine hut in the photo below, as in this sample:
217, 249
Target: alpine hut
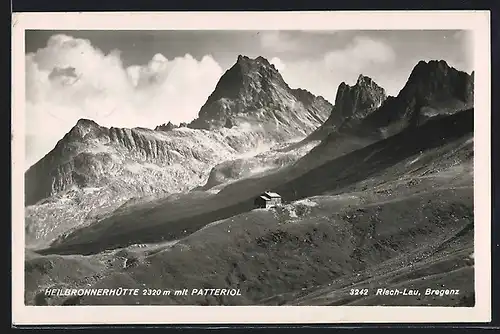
267, 200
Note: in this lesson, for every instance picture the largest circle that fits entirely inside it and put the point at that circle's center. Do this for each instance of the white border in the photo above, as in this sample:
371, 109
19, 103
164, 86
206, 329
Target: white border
477, 22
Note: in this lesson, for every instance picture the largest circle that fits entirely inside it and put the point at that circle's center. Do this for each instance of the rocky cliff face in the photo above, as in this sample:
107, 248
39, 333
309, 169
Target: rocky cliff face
359, 100
93, 156
253, 92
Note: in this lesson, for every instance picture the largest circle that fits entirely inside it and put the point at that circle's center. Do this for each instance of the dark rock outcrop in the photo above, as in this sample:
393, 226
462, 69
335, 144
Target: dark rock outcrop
359, 100
352, 103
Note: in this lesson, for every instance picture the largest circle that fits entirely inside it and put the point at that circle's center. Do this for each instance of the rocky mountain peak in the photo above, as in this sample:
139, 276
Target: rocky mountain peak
430, 66
435, 80
251, 90
360, 99
83, 128
248, 67
85, 122
352, 103
425, 70
245, 77
433, 89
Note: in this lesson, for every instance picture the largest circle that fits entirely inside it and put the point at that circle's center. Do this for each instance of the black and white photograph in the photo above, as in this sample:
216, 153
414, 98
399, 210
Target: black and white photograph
250, 167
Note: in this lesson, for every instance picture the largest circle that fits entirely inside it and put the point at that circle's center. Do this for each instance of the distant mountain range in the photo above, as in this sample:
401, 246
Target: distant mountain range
244, 128
363, 114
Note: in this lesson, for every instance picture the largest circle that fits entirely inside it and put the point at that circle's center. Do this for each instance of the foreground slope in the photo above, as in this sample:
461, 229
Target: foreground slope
309, 253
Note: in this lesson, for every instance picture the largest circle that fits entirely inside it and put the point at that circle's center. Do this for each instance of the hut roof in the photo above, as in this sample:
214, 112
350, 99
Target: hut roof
272, 195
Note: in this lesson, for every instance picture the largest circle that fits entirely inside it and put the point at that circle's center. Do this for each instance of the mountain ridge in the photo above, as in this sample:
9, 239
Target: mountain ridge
433, 89
94, 166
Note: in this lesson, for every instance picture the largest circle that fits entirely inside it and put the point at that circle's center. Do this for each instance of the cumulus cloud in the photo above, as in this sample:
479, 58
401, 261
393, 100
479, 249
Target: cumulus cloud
359, 54
323, 75
71, 79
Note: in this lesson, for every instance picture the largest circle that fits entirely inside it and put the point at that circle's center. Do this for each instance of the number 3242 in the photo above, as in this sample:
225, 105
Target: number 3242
358, 292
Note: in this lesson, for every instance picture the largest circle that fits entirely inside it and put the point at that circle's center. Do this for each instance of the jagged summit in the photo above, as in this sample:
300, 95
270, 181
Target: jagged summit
362, 79
430, 80
253, 90
166, 127
433, 88
430, 66
243, 59
358, 100
244, 77
246, 64
352, 103
435, 69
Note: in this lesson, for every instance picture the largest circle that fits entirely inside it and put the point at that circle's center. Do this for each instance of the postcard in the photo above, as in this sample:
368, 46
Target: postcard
251, 167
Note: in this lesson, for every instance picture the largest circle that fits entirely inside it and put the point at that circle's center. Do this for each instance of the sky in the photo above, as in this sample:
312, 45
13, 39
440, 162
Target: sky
145, 78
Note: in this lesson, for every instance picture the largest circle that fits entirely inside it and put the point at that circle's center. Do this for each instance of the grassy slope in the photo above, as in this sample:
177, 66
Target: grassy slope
270, 255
